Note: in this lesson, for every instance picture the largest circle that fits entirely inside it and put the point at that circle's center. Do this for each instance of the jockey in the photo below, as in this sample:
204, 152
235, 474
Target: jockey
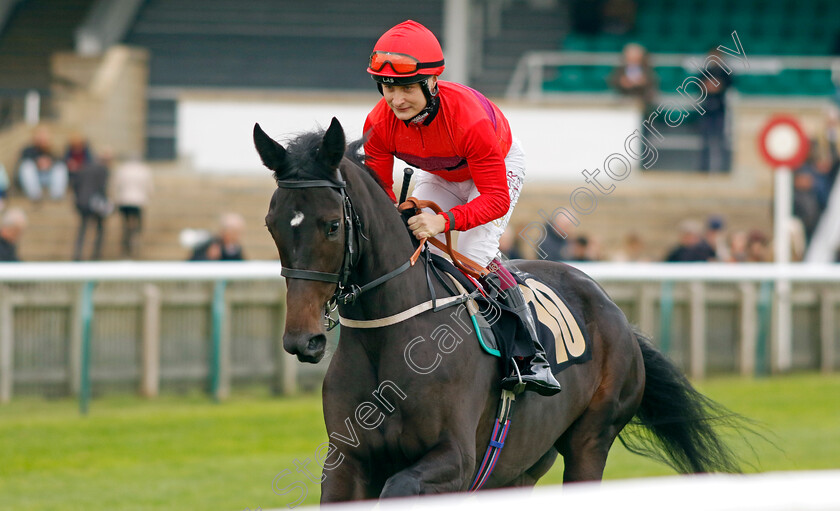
474, 167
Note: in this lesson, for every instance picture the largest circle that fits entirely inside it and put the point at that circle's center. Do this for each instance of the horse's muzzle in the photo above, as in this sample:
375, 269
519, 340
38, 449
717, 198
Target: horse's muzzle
309, 348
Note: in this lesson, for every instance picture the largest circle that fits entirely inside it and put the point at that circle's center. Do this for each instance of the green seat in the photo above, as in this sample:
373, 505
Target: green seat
816, 82
750, 84
671, 77
570, 78
597, 78
609, 43
576, 42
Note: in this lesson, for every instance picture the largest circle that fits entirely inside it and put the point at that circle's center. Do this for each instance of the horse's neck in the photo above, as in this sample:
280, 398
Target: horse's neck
387, 247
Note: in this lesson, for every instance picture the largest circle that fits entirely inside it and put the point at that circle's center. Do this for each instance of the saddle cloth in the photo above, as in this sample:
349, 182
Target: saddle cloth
502, 334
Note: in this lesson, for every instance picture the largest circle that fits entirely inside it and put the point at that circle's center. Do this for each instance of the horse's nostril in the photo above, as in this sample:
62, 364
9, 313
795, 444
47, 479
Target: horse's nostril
315, 342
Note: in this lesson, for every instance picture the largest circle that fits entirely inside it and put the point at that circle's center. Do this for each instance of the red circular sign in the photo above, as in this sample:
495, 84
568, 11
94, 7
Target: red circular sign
783, 143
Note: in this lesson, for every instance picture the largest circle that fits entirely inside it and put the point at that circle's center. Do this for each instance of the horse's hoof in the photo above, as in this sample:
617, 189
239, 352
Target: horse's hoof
400, 485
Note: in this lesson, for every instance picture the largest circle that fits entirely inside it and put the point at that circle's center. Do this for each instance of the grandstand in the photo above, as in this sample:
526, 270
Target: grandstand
782, 28
275, 51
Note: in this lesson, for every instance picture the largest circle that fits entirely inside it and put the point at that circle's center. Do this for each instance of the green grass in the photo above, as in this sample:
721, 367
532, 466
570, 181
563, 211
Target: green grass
178, 453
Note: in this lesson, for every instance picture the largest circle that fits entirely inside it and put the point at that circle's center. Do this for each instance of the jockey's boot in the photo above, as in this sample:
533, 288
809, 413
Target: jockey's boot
534, 373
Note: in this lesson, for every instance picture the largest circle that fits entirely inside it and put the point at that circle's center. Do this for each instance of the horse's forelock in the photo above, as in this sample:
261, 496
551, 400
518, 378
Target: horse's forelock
301, 157
302, 163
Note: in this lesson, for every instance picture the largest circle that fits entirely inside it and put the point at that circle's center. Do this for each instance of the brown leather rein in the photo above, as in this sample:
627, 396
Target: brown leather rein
462, 262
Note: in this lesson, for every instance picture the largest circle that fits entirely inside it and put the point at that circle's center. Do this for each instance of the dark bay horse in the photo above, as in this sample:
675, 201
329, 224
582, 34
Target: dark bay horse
410, 407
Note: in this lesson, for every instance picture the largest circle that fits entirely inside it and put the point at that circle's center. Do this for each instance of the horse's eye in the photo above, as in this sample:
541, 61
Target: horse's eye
332, 228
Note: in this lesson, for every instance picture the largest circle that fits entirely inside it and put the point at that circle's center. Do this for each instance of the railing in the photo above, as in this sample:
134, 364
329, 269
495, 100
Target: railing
528, 77
106, 24
92, 328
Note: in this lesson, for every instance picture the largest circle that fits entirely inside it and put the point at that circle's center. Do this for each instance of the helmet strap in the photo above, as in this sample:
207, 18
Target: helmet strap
427, 115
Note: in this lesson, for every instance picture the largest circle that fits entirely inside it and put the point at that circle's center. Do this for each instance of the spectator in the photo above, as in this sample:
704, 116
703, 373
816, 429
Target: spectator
715, 238
77, 156
580, 249
806, 206
226, 245
632, 250
4, 186
132, 187
619, 16
555, 245
692, 247
738, 247
757, 245
713, 156
92, 203
635, 77
11, 229
587, 16
39, 169
827, 161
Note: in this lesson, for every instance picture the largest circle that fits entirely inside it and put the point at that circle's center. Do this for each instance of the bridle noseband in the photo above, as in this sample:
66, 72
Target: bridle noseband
352, 252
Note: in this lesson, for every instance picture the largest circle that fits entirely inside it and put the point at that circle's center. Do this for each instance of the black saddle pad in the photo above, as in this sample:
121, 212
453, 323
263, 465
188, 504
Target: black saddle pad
560, 328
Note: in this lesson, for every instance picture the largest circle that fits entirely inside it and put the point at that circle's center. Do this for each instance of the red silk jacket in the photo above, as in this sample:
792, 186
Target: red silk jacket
467, 139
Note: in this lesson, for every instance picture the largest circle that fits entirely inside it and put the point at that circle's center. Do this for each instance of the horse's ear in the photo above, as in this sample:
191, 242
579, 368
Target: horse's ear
333, 145
272, 154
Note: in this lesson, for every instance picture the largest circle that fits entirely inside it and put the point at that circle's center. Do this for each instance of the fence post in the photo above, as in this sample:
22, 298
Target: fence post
647, 312
827, 305
749, 328
150, 375
87, 323
666, 315
218, 384
285, 365
74, 362
697, 301
7, 331
765, 310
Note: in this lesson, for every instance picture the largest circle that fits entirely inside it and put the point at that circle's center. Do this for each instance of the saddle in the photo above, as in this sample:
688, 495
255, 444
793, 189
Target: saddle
559, 327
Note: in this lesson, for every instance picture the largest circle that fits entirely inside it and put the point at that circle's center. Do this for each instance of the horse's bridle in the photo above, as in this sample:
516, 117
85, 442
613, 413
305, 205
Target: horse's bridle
352, 252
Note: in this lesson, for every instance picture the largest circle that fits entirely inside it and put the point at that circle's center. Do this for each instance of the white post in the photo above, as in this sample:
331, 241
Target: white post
697, 335
6, 345
456, 37
783, 208
32, 107
150, 374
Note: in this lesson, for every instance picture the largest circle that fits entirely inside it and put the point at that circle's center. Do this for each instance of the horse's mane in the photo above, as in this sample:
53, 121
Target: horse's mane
354, 154
304, 148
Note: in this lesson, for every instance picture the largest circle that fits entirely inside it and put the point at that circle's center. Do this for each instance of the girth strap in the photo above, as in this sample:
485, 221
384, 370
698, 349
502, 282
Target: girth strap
497, 440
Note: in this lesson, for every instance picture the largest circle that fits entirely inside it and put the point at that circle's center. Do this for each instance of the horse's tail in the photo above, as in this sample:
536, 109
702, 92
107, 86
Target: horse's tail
675, 423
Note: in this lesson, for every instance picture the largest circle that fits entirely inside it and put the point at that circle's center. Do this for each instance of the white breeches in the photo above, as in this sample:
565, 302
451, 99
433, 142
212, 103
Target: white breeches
481, 243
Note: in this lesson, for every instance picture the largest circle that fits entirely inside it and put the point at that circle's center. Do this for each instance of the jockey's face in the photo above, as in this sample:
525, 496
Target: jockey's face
406, 101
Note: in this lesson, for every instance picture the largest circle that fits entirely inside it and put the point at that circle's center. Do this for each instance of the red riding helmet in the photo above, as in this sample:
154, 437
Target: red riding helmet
407, 53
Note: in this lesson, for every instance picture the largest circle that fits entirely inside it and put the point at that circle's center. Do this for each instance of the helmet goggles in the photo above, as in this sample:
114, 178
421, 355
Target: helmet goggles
401, 63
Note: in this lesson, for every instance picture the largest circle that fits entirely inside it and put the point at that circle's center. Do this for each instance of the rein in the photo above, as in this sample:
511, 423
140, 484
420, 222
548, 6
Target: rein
352, 252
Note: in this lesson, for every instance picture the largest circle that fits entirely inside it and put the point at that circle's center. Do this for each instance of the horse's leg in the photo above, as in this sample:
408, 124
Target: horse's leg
346, 482
348, 472
587, 442
445, 468
539, 469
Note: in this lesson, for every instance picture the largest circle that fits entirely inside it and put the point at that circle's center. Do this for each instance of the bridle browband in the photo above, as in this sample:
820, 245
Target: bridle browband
352, 252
